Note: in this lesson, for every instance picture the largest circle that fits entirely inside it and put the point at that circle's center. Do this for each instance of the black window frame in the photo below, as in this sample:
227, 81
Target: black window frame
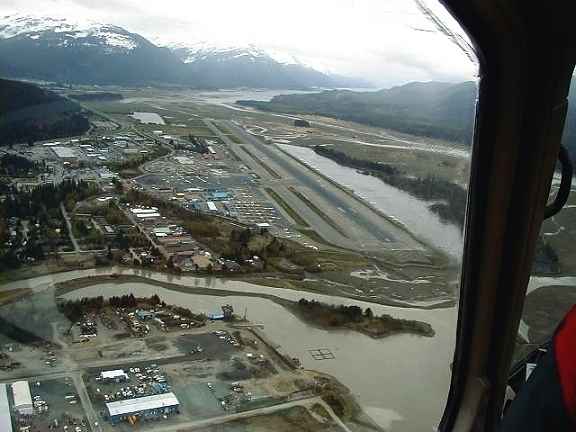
526, 64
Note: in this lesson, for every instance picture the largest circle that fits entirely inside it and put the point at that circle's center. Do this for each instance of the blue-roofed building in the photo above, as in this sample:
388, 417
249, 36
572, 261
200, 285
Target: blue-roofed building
218, 195
144, 314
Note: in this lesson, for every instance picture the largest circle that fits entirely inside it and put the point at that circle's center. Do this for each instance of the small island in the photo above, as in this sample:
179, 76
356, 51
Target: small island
354, 318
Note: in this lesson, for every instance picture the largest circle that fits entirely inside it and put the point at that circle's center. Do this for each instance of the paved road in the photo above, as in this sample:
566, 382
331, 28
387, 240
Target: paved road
91, 414
189, 426
69, 226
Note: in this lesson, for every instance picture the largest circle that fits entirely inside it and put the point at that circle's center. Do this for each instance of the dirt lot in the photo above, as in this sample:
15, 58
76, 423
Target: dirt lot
291, 420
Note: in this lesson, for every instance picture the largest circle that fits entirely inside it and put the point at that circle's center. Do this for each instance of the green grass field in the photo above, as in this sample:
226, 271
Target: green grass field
234, 139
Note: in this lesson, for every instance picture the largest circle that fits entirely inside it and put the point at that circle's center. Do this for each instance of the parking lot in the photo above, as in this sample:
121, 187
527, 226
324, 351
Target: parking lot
57, 407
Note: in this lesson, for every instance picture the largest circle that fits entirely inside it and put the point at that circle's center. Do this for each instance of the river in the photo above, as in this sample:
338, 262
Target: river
401, 381
409, 211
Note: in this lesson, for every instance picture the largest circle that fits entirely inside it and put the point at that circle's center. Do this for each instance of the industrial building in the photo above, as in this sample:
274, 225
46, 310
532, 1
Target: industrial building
218, 195
131, 410
211, 206
117, 375
66, 154
145, 213
5, 417
22, 398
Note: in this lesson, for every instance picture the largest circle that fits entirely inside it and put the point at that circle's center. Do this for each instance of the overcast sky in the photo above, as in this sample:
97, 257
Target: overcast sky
385, 41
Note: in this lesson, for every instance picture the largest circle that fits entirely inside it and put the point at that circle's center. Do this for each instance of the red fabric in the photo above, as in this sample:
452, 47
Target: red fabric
565, 350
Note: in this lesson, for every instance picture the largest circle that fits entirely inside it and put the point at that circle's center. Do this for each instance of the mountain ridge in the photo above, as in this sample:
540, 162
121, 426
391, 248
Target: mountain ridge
58, 49
29, 113
433, 109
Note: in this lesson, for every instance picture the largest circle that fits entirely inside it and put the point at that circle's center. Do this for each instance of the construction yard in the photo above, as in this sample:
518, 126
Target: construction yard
126, 362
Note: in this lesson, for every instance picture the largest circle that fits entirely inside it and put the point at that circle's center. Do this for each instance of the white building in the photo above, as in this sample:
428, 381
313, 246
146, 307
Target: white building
114, 375
22, 398
5, 417
149, 406
145, 213
162, 231
65, 153
148, 215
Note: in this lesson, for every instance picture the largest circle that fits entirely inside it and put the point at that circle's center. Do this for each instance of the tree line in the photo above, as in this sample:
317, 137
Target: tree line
29, 113
452, 197
363, 320
341, 313
12, 165
46, 197
75, 310
136, 162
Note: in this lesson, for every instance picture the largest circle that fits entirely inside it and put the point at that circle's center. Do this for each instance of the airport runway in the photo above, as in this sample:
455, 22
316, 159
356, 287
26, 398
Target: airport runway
358, 226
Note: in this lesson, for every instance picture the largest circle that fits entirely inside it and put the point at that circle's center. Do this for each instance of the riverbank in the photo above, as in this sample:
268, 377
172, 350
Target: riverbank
448, 200
435, 294
401, 361
404, 210
335, 287
351, 193
330, 318
13, 295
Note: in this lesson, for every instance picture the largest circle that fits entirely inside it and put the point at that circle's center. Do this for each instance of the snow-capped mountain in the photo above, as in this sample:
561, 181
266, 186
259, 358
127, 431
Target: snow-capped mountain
199, 51
62, 32
81, 52
60, 49
248, 66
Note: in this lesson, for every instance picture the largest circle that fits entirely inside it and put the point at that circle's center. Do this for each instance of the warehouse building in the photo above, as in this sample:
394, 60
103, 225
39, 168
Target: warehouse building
66, 154
146, 213
117, 376
149, 407
22, 398
5, 418
211, 206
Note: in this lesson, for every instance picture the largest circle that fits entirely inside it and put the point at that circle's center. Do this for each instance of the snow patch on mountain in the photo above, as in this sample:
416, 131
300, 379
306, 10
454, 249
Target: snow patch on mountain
198, 51
92, 32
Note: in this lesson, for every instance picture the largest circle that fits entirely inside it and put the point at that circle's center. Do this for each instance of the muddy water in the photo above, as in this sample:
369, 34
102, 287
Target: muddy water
413, 213
401, 381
